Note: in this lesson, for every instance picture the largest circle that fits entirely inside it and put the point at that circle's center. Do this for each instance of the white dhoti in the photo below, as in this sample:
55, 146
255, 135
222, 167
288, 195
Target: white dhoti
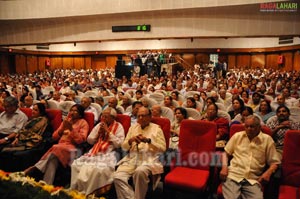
90, 173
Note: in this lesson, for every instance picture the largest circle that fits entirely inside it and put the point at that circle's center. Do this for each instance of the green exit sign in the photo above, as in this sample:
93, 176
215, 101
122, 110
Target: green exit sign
144, 27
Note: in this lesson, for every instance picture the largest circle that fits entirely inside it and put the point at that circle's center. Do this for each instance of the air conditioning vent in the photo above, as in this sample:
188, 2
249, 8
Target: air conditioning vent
42, 47
286, 40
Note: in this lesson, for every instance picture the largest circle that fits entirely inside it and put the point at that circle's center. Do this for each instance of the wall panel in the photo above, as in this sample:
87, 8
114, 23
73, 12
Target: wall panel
111, 61
202, 58
288, 61
56, 62
79, 62
272, 61
4, 69
231, 61
88, 62
41, 62
21, 64
257, 61
68, 62
243, 61
297, 60
32, 64
98, 62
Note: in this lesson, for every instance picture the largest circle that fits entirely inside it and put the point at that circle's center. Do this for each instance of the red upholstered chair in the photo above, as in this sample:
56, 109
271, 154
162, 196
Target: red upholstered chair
125, 121
197, 142
290, 185
55, 117
27, 111
240, 127
89, 117
165, 125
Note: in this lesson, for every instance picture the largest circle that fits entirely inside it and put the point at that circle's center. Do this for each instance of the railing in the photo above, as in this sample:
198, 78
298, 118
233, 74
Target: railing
183, 63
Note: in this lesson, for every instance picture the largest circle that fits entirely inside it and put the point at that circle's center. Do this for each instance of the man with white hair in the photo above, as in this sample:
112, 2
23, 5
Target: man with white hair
86, 103
251, 150
11, 120
145, 141
94, 169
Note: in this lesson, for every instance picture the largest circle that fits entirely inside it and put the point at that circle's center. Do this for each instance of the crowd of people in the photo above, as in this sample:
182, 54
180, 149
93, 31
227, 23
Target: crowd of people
253, 97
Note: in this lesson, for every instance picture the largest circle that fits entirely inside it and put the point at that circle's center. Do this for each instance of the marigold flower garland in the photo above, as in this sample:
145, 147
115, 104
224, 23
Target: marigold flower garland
19, 177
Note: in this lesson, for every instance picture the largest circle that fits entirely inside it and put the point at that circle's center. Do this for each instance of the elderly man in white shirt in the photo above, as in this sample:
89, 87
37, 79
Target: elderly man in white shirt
11, 120
144, 142
86, 103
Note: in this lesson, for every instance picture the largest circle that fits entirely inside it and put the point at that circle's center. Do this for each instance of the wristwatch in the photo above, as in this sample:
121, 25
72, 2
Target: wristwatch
6, 139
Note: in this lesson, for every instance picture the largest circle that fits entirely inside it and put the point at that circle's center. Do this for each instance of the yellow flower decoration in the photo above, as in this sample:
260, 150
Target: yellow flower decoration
4, 175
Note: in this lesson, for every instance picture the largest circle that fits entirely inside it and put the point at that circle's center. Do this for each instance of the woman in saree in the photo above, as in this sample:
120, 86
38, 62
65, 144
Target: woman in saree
31, 135
72, 132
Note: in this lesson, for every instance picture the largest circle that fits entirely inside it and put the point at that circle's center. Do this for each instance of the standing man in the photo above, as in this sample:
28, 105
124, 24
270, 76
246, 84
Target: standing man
144, 142
251, 151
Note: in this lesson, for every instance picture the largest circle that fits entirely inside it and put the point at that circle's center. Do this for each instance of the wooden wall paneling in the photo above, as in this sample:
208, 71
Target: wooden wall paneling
272, 61
56, 62
243, 61
202, 58
288, 61
79, 63
4, 69
190, 59
21, 64
41, 63
32, 64
257, 61
231, 61
111, 61
68, 62
98, 62
88, 62
296, 60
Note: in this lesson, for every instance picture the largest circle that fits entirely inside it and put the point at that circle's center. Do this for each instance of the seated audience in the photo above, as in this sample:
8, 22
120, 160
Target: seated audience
28, 102
237, 106
94, 169
31, 135
168, 102
145, 141
191, 103
222, 123
12, 119
86, 104
251, 151
240, 118
156, 110
279, 125
133, 115
265, 111
180, 114
72, 132
4, 94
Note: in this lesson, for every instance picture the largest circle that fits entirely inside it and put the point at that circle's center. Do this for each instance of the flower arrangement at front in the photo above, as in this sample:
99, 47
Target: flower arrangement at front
17, 185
